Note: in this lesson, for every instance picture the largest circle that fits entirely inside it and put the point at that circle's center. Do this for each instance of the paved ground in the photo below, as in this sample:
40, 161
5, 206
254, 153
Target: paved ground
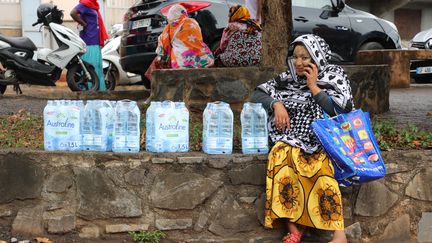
411, 106
407, 106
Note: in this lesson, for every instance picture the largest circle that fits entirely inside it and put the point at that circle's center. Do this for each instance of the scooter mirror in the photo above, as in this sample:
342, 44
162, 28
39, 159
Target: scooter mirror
116, 30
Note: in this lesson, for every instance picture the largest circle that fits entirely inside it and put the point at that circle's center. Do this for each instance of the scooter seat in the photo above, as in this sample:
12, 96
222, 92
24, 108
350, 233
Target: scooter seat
19, 42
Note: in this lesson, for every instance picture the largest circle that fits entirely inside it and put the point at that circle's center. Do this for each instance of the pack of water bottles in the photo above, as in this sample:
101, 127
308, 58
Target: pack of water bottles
167, 127
98, 125
102, 125
254, 133
218, 129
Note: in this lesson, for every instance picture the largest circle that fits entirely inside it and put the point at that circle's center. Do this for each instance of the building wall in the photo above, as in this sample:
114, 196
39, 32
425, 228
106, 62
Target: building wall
10, 17
10, 13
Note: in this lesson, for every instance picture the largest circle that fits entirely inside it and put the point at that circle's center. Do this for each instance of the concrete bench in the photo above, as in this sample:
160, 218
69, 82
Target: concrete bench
397, 60
197, 87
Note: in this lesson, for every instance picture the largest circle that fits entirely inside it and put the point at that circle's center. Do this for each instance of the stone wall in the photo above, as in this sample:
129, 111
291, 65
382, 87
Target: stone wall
197, 87
193, 197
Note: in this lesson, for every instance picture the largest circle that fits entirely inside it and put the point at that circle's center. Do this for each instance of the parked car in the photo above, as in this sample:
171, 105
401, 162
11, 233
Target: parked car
345, 29
114, 73
421, 70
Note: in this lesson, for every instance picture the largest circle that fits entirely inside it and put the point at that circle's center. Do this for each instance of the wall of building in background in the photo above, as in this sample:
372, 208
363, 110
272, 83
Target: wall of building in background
401, 17
10, 17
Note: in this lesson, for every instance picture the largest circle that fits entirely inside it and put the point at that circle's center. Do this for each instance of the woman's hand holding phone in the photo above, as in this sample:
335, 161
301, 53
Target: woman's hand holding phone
311, 73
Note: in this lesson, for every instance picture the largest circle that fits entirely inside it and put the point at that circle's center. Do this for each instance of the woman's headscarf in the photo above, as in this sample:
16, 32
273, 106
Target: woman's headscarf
297, 98
181, 44
240, 13
103, 35
176, 12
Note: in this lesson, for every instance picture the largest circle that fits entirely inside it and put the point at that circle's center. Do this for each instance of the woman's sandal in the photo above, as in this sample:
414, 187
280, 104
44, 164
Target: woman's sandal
293, 237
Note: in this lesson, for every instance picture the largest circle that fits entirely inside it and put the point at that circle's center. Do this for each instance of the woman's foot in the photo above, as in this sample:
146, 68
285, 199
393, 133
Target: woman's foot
293, 237
339, 237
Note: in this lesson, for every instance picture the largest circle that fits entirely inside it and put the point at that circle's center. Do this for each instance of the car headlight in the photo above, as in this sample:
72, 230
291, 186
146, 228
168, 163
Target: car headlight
428, 44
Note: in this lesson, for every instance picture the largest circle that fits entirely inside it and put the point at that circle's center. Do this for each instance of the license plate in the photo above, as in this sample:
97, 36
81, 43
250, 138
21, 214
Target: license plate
421, 70
141, 23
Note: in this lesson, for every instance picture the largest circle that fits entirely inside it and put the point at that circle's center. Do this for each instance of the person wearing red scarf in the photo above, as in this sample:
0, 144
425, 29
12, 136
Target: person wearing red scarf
93, 33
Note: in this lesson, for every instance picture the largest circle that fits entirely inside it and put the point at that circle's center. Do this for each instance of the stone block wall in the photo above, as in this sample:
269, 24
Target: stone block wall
197, 87
193, 197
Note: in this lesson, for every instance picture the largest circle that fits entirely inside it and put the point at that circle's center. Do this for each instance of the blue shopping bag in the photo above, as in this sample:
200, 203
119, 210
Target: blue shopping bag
349, 141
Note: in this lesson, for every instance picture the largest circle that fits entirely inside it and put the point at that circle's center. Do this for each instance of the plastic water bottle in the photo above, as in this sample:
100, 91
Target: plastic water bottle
254, 129
218, 128
150, 126
87, 127
73, 114
126, 136
62, 126
167, 127
49, 113
182, 142
102, 112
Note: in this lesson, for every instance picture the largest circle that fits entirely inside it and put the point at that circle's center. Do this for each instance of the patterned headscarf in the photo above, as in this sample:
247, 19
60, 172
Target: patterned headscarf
297, 98
239, 13
176, 12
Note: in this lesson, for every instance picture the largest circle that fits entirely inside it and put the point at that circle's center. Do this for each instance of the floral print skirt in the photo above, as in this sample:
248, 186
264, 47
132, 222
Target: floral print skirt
301, 188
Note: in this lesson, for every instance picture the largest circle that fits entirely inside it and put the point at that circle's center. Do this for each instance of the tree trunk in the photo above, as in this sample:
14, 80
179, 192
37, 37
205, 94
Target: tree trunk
277, 27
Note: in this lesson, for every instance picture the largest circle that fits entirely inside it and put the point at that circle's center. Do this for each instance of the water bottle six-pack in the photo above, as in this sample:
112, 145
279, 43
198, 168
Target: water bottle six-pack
102, 125
72, 126
218, 128
254, 134
167, 127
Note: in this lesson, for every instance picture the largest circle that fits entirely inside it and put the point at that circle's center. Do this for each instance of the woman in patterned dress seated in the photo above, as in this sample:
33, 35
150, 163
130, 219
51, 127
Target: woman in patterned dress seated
240, 44
181, 43
300, 187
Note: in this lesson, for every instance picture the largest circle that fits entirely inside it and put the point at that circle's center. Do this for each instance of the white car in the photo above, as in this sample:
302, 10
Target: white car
421, 70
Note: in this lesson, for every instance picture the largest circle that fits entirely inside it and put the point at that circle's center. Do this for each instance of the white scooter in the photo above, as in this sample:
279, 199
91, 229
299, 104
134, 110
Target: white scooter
114, 73
22, 63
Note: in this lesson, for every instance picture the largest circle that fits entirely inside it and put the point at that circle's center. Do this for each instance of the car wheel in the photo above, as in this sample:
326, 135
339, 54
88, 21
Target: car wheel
423, 80
371, 46
110, 77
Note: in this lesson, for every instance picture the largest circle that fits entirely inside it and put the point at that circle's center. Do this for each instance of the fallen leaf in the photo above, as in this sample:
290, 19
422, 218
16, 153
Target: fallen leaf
42, 240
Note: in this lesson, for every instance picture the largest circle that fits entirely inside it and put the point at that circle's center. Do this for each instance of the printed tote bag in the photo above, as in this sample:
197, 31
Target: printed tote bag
349, 141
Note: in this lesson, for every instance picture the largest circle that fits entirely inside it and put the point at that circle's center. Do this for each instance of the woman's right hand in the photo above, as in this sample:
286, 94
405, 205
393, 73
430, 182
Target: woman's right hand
282, 120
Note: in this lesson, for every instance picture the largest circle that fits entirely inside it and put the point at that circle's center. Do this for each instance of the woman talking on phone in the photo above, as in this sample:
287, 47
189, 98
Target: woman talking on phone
300, 187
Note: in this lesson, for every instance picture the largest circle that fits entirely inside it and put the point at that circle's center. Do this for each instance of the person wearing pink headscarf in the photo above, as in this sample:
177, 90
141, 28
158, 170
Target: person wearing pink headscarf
181, 43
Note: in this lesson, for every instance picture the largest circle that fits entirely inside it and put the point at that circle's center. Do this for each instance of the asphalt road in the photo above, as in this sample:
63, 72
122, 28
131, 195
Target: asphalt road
407, 106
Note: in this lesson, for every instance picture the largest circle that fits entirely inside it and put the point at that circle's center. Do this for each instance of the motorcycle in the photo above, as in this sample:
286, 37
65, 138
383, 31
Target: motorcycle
114, 73
22, 63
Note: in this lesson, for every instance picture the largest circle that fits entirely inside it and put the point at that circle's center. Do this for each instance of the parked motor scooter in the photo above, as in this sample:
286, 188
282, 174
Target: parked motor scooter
22, 63
114, 73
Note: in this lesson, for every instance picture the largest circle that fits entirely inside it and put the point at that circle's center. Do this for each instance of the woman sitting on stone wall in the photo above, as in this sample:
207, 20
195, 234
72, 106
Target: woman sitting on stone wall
240, 44
181, 43
300, 184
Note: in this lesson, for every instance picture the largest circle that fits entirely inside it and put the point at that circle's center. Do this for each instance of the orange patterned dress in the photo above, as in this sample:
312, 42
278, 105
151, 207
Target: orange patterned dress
302, 189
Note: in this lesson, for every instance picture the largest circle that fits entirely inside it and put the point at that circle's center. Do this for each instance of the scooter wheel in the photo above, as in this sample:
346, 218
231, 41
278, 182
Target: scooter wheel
110, 78
77, 80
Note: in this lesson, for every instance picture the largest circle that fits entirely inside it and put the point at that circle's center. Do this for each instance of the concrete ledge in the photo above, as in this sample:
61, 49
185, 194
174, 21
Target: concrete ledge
398, 61
197, 87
